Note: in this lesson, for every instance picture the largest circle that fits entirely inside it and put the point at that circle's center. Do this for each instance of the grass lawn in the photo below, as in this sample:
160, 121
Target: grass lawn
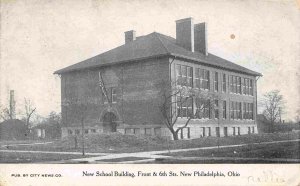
116, 142
288, 150
261, 153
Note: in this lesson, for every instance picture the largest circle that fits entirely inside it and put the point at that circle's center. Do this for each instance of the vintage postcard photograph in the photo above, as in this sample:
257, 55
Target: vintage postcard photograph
149, 91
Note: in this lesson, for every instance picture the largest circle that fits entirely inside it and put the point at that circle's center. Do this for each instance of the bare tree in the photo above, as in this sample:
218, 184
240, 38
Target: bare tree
4, 113
176, 97
8, 112
273, 105
29, 111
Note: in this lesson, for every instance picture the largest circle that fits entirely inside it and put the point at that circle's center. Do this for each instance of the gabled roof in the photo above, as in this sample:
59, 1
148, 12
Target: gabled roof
154, 45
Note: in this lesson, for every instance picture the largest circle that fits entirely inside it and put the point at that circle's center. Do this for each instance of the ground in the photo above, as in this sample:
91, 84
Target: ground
252, 153
117, 148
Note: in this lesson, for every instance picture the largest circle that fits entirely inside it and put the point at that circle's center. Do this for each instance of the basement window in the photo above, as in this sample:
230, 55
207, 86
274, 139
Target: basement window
136, 131
157, 131
128, 131
147, 131
77, 131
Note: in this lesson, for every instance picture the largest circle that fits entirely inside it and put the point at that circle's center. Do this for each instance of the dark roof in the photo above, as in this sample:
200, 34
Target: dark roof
154, 45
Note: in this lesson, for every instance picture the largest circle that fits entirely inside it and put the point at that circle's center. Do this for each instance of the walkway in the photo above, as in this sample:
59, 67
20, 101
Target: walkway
26, 144
56, 152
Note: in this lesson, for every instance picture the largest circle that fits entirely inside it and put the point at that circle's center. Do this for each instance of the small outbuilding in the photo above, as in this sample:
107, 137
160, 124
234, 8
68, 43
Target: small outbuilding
13, 129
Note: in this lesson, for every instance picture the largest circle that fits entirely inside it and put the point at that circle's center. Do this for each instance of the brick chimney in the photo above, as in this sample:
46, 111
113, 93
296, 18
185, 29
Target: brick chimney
185, 33
200, 38
129, 36
12, 105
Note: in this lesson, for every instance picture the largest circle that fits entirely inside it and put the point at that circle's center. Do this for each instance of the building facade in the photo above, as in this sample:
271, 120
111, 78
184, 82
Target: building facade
132, 76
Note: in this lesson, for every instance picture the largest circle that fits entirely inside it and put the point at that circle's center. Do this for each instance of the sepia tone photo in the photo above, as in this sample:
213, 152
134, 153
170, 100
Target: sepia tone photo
142, 82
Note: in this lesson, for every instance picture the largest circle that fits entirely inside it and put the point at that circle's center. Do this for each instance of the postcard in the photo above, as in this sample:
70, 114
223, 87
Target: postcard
110, 92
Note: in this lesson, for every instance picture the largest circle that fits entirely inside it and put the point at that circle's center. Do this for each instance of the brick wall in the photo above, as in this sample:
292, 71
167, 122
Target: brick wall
137, 87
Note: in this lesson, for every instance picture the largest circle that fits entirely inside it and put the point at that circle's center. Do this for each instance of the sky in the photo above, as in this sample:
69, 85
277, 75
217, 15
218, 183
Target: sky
40, 36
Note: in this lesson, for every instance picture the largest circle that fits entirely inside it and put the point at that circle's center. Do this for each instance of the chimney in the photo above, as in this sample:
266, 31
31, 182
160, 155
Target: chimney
12, 104
185, 33
200, 38
129, 36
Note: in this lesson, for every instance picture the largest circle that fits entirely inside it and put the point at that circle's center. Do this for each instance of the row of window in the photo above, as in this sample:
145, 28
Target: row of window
206, 131
236, 111
77, 131
184, 75
185, 108
238, 85
146, 131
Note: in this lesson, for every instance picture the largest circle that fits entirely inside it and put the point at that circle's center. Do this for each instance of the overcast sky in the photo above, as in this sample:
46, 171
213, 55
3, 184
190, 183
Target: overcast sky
41, 36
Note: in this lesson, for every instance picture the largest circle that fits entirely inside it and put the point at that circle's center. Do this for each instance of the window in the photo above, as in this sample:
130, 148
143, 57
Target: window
216, 107
248, 111
251, 111
93, 130
236, 84
189, 77
251, 87
77, 131
185, 133
86, 131
202, 79
202, 108
239, 85
184, 106
225, 131
148, 131
249, 130
113, 95
224, 109
128, 131
208, 131
248, 86
216, 81
157, 131
233, 131
244, 85
218, 131
203, 131
231, 110
224, 83
136, 131
70, 132
239, 110
252, 129
184, 75
239, 131
235, 110
231, 84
